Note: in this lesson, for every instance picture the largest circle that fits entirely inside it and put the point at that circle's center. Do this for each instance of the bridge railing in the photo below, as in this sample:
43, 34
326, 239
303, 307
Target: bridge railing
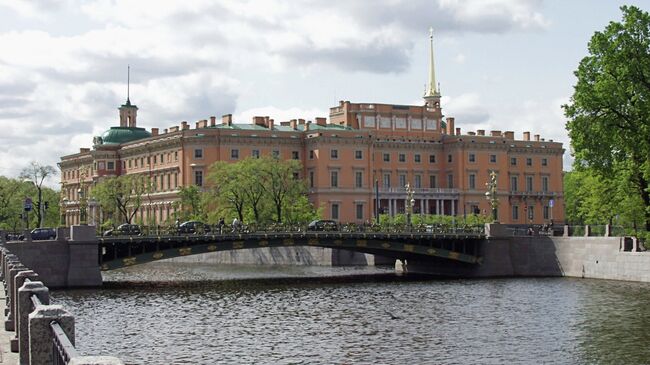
44, 332
252, 228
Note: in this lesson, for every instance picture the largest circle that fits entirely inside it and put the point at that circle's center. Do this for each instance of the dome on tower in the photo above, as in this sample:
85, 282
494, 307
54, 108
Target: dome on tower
119, 135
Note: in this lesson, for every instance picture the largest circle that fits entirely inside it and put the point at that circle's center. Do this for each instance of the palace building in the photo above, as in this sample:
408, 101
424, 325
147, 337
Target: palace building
366, 153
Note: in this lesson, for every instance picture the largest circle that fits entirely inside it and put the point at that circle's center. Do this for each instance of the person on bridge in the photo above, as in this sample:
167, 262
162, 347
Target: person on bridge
221, 224
235, 225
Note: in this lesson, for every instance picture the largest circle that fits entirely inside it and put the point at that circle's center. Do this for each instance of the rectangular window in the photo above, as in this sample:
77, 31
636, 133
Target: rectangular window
513, 161
472, 181
334, 154
335, 211
529, 183
169, 181
432, 182
529, 161
100, 166
402, 157
234, 154
432, 158
198, 178
418, 181
449, 158
334, 179
387, 180
175, 155
175, 180
402, 180
311, 179
417, 158
275, 154
358, 155
311, 154
450, 181
546, 210
545, 184
386, 157
130, 163
155, 159
472, 157
255, 153
493, 158
359, 211
515, 212
295, 155
544, 162
513, 183
110, 165
358, 179
198, 153
141, 161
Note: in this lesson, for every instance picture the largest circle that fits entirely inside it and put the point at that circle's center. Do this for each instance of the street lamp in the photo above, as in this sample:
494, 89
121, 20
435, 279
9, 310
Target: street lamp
409, 204
491, 194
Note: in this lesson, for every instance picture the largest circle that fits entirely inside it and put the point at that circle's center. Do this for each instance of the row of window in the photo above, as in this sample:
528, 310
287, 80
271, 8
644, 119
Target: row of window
255, 153
513, 160
156, 159
335, 209
386, 180
530, 212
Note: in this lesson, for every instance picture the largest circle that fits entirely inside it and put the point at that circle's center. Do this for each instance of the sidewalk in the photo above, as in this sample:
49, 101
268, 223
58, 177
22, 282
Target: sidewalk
6, 356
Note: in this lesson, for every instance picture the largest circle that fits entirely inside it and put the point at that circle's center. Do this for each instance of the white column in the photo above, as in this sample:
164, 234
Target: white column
437, 206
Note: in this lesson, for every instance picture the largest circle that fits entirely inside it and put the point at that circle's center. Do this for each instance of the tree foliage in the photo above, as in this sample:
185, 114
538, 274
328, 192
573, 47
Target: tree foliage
12, 195
190, 204
259, 190
121, 196
37, 174
609, 112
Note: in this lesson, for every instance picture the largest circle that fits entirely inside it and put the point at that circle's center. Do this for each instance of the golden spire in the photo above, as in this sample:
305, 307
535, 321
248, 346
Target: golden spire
432, 90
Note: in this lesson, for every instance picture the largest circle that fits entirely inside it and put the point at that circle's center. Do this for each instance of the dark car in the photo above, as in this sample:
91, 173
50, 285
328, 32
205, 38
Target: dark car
193, 227
323, 225
40, 234
125, 229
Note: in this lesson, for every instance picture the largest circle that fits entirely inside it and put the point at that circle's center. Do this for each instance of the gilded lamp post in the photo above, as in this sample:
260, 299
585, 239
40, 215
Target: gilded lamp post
409, 204
491, 194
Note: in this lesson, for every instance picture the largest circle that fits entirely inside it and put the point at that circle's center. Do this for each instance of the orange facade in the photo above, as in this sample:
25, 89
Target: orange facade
363, 146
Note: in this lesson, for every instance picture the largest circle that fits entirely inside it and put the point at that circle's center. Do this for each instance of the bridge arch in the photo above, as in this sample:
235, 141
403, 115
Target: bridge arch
116, 253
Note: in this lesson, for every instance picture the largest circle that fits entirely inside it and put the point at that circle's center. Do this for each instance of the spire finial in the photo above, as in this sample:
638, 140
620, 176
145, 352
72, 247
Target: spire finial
128, 84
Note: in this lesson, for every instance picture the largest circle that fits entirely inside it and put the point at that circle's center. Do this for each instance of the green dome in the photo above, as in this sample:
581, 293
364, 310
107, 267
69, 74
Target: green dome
119, 135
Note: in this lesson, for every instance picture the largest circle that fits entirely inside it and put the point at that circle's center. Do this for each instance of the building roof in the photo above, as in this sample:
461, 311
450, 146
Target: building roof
119, 135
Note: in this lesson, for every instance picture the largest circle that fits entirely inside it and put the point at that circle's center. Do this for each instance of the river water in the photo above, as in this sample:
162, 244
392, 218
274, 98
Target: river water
174, 313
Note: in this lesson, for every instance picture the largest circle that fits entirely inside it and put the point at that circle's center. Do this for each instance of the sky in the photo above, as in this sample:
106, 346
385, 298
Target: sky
502, 64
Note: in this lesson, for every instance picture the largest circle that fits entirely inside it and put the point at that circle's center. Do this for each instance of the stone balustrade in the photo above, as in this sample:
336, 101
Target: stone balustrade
40, 327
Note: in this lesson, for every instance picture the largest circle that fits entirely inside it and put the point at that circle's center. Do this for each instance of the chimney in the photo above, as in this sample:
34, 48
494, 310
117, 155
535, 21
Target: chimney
154, 131
293, 124
259, 121
321, 121
173, 129
458, 131
509, 135
285, 124
450, 126
301, 121
526, 136
270, 123
537, 138
480, 132
165, 131
184, 125
471, 133
202, 123
495, 133
83, 150
213, 121
226, 119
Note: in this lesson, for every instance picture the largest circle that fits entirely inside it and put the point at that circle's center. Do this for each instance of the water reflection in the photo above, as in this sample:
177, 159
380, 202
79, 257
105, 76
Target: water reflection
206, 314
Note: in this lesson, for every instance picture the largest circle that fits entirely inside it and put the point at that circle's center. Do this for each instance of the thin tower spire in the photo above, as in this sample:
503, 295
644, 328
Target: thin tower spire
432, 88
128, 85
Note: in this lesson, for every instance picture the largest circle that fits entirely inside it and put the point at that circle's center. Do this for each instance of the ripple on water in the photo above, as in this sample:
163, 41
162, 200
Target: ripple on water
231, 316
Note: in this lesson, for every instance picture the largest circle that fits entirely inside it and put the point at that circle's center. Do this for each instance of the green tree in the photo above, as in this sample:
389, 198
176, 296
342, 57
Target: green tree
189, 205
227, 187
121, 195
281, 183
37, 174
609, 112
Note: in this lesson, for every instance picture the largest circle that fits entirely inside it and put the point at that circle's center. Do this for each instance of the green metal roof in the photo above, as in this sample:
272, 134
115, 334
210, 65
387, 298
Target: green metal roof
119, 135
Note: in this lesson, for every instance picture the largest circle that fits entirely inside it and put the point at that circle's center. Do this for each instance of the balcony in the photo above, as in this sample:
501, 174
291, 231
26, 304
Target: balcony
420, 191
533, 194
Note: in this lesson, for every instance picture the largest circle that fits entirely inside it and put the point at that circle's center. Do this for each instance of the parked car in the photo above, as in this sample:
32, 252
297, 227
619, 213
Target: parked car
323, 225
193, 227
40, 234
125, 229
